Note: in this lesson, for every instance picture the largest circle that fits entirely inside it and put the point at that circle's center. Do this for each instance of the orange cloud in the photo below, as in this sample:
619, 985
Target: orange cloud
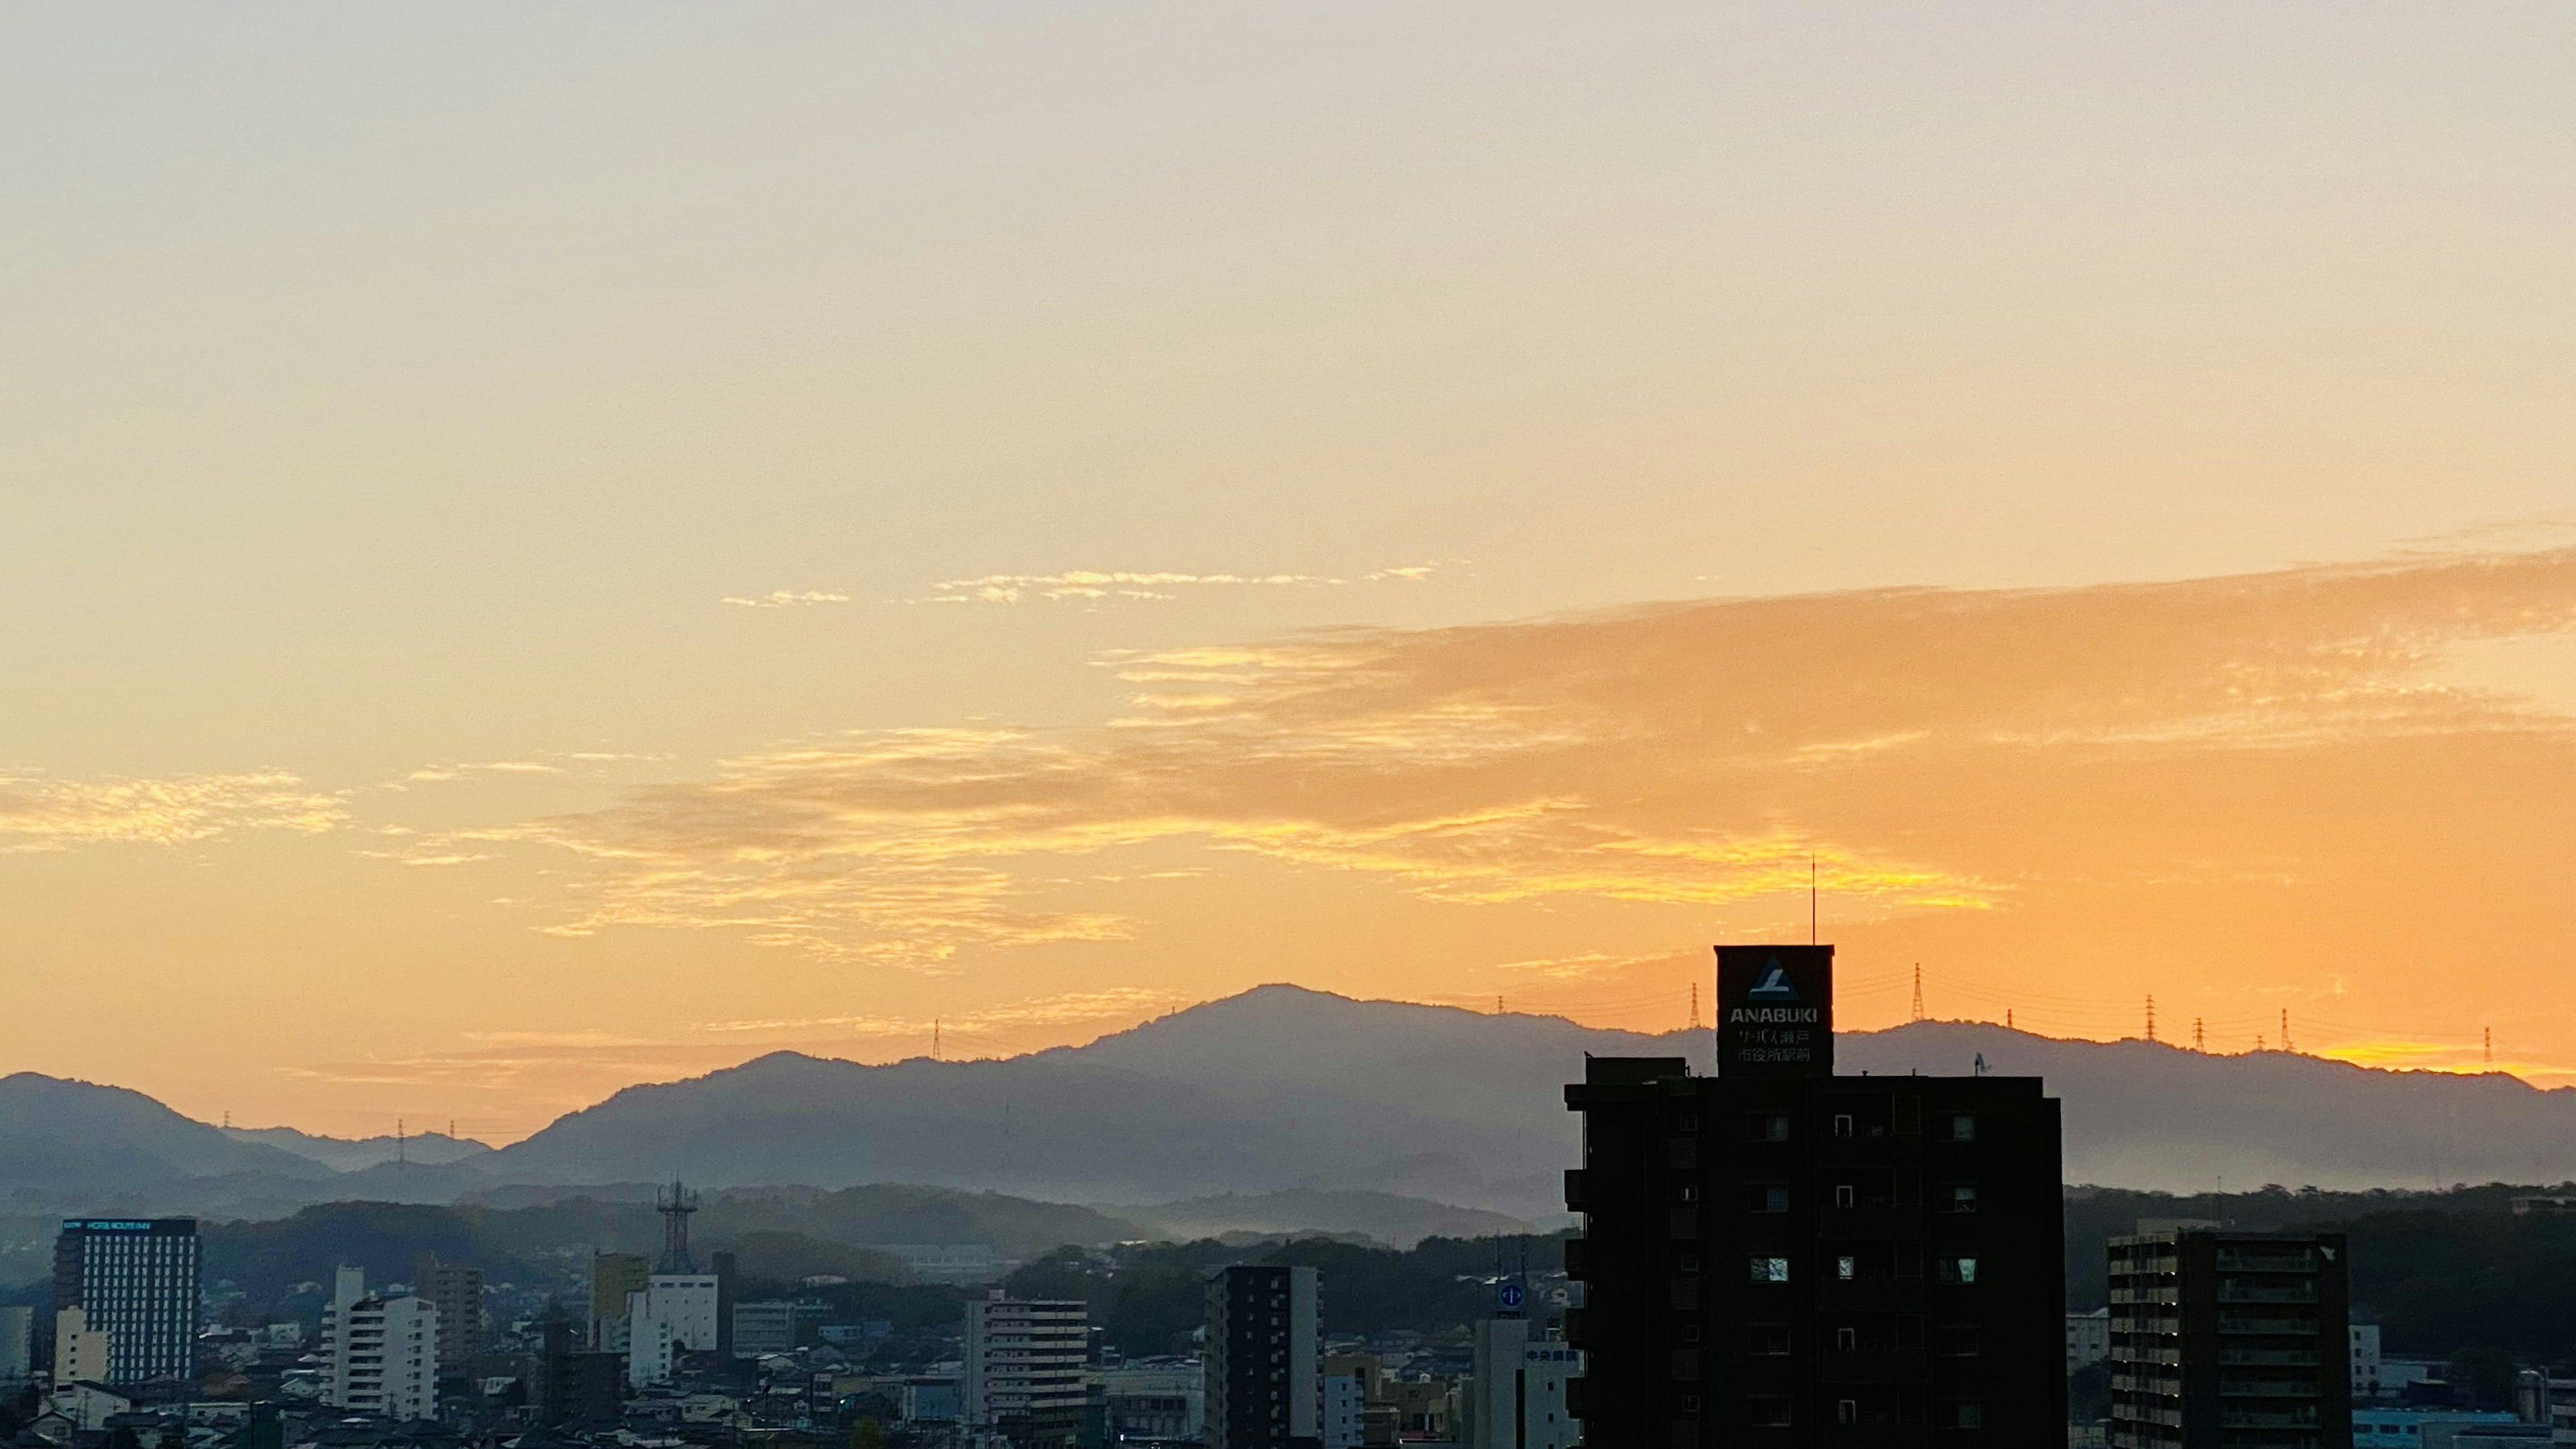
1934, 753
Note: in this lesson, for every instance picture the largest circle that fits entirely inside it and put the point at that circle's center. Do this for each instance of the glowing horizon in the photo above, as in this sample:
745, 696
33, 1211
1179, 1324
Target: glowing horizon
558, 548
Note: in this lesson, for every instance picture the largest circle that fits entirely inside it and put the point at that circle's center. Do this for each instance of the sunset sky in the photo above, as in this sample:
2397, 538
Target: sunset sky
550, 547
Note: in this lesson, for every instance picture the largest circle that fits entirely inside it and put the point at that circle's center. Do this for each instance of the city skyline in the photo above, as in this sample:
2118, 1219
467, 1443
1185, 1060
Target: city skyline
559, 550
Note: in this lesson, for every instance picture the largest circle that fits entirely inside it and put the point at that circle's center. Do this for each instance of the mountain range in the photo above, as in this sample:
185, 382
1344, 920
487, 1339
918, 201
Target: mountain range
1242, 1113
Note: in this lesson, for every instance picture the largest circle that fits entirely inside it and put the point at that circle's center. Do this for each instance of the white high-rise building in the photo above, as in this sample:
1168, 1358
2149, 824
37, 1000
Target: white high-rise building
380, 1355
1515, 1398
2365, 1361
1024, 1370
81, 1353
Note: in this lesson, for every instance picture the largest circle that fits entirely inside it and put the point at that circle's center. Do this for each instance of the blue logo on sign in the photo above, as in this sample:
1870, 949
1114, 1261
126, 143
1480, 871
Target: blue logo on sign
1774, 985
1511, 1296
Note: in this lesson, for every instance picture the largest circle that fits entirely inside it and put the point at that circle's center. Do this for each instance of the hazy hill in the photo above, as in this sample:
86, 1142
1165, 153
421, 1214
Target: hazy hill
1283, 1091
1383, 1217
347, 1154
126, 1152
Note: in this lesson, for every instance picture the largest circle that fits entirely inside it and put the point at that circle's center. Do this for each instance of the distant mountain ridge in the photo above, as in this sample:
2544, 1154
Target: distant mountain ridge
347, 1154
1282, 1091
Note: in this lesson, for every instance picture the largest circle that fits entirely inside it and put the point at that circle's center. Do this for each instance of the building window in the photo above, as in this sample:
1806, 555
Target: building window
1847, 1339
1963, 1414
1768, 1413
1958, 1270
1771, 1340
1845, 1195
1686, 1124
1846, 1269
1962, 1199
1959, 1340
1767, 1198
1842, 1124
1846, 1411
1959, 1127
1767, 1127
1770, 1270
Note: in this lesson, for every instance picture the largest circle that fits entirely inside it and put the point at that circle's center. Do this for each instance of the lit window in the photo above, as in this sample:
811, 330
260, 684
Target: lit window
1770, 1270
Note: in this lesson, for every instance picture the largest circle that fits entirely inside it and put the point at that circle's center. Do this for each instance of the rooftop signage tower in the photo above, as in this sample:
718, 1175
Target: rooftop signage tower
1775, 1011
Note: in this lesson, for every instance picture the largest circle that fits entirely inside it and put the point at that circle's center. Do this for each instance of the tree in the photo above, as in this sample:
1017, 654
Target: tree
867, 1434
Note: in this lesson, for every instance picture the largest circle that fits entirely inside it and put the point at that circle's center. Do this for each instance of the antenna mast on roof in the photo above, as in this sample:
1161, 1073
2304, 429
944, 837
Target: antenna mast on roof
675, 1209
1811, 898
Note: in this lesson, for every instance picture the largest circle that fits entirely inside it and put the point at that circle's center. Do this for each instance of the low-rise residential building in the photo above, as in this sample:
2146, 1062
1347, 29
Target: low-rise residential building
2376, 1428
1155, 1401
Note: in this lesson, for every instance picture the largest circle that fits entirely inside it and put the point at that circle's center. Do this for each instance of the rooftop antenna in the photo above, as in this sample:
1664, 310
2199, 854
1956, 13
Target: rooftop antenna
1918, 991
1811, 898
675, 1207
2151, 1016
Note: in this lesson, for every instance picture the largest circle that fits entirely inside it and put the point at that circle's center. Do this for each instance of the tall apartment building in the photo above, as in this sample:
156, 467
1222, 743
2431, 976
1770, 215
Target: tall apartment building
1777, 1255
1022, 1381
2230, 1340
1264, 1349
380, 1356
456, 1291
135, 1280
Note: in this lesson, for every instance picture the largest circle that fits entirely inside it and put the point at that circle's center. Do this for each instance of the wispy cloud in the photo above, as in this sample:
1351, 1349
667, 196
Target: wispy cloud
786, 599
1124, 1003
1096, 584
38, 812
1923, 751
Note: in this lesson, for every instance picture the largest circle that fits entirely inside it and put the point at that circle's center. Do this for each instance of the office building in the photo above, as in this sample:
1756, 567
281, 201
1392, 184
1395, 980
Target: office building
456, 1291
135, 1280
2223, 1338
1264, 1382
673, 1314
380, 1356
614, 1277
1022, 1376
1514, 1397
80, 1352
1777, 1255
